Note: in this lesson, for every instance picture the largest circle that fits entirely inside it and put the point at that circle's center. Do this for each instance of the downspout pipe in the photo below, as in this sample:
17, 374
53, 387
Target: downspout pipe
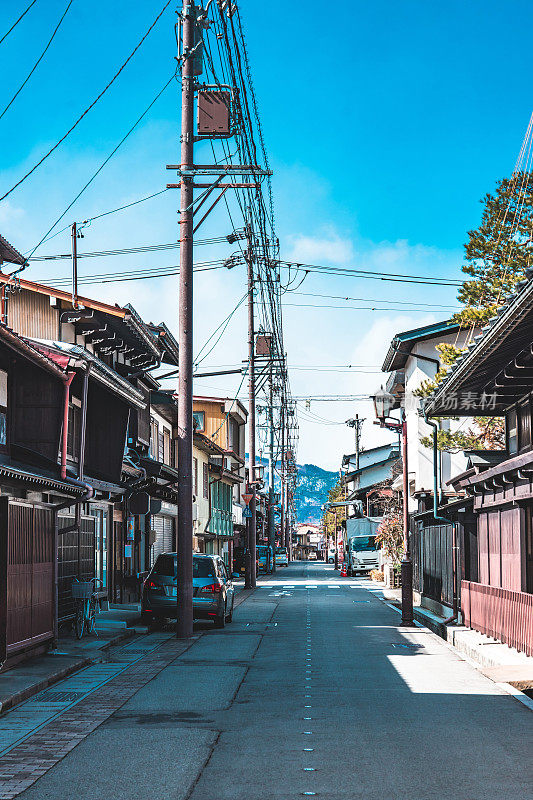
67, 380
78, 482
439, 518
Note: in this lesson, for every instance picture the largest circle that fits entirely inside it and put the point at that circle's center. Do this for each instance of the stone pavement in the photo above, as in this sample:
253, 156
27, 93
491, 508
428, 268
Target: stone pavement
32, 676
314, 690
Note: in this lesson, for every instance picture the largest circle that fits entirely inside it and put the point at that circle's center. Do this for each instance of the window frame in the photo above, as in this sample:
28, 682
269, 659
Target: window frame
512, 412
523, 412
195, 476
4, 410
205, 477
154, 438
200, 428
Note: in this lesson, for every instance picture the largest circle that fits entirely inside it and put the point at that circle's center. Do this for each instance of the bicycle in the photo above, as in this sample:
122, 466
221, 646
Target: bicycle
86, 604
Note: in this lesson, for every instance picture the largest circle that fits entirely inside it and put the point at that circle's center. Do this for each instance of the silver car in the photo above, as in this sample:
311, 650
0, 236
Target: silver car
213, 592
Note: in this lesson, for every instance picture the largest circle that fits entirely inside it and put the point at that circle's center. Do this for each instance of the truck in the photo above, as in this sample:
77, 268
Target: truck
362, 551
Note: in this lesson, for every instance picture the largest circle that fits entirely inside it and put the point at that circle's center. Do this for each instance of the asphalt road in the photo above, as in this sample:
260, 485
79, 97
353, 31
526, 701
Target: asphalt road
313, 690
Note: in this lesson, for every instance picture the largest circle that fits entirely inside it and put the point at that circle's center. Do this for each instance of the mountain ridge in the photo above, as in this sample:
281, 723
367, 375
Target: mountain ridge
312, 490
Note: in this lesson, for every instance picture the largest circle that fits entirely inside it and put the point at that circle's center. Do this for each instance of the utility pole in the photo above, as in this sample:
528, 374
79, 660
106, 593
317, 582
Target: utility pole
184, 627
74, 238
336, 543
357, 425
283, 536
271, 523
407, 564
250, 578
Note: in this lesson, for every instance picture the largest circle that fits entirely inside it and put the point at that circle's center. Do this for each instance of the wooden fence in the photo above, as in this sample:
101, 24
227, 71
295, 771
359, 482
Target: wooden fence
501, 613
432, 554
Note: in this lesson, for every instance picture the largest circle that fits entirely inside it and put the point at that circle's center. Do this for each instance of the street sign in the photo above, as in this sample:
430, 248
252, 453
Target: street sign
247, 498
246, 512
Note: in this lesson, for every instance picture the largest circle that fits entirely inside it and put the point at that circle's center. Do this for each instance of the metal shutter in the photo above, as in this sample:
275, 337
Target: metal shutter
164, 540
159, 544
169, 534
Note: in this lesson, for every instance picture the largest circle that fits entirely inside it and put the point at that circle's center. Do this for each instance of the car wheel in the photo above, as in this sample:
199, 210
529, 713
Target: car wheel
147, 617
220, 621
229, 617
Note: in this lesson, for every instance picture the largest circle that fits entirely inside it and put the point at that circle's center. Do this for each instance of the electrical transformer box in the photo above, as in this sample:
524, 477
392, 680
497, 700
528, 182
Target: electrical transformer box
214, 113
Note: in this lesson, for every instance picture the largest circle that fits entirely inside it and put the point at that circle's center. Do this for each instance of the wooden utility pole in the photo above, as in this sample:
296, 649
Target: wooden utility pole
336, 543
74, 239
184, 628
271, 521
251, 528
282, 472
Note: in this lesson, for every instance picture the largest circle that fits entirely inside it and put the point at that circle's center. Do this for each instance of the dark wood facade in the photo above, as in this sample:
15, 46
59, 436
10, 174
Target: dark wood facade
27, 584
496, 376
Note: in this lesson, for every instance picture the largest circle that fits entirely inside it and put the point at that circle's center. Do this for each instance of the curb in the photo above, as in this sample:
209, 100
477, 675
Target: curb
30, 691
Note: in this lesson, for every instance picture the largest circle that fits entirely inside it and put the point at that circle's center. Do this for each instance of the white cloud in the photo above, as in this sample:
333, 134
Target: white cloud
329, 248
11, 217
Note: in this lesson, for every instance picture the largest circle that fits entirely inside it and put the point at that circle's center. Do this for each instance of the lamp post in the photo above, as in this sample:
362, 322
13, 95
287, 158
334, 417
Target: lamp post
383, 404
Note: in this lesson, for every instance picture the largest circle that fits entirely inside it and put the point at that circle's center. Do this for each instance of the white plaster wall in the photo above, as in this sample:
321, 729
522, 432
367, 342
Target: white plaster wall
420, 459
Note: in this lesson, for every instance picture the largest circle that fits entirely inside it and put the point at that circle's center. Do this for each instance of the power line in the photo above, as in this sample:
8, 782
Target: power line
140, 274
370, 299
84, 113
50, 40
224, 324
128, 205
356, 308
17, 21
104, 214
395, 276
106, 160
150, 248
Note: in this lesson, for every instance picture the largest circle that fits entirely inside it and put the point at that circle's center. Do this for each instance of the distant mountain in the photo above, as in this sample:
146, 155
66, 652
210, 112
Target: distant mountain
312, 490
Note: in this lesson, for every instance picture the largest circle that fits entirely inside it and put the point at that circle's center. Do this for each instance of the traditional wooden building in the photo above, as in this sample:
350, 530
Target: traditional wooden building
495, 378
218, 469
33, 391
111, 352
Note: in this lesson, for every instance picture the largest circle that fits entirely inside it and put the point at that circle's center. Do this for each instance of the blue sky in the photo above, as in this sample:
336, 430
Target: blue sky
385, 123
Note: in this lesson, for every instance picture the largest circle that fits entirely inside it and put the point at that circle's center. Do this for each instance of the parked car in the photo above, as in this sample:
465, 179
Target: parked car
311, 556
213, 592
282, 557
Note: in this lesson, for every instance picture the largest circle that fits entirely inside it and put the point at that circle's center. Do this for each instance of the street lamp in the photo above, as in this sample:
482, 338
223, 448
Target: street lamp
384, 403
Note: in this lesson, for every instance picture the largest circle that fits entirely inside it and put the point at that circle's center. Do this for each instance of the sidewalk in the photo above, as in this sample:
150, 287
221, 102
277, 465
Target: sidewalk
115, 625
499, 662
32, 676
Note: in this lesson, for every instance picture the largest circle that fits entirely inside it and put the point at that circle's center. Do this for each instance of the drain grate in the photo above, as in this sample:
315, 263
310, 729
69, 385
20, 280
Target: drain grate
59, 697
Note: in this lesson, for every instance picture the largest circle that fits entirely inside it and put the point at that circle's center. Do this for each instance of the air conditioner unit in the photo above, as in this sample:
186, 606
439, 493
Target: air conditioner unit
194, 512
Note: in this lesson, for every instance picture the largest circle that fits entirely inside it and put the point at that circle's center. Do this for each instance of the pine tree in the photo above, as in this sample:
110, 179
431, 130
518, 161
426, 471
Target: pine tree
497, 255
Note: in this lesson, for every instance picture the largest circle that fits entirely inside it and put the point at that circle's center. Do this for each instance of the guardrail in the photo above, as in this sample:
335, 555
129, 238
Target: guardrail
501, 613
